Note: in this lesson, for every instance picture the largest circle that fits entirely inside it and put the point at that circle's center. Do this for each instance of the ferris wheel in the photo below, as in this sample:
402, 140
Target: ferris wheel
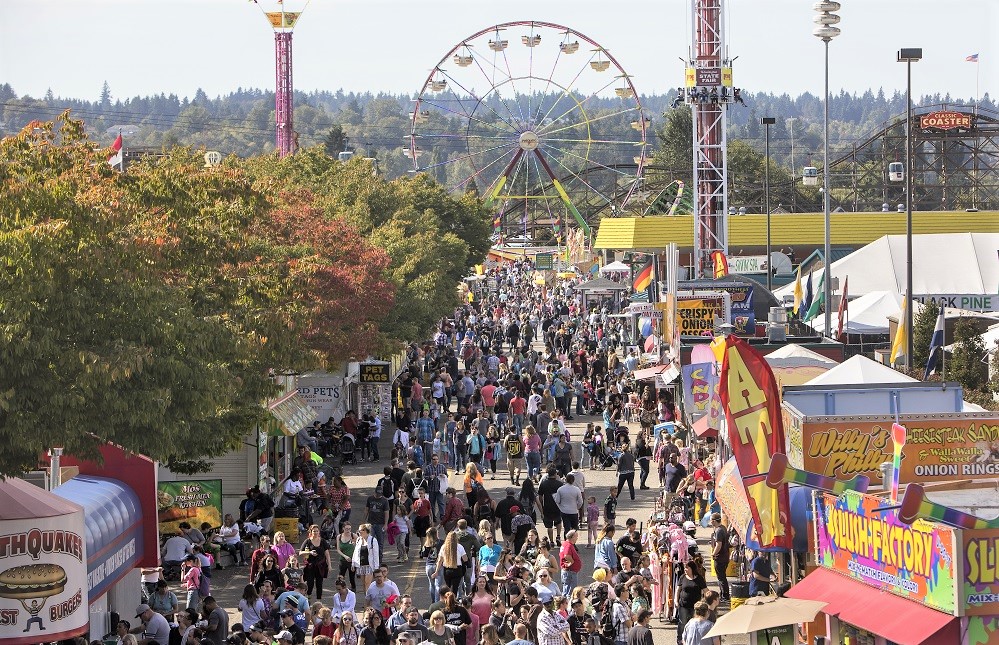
522, 113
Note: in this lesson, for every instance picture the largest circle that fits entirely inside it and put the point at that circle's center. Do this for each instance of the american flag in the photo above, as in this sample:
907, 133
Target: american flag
972, 59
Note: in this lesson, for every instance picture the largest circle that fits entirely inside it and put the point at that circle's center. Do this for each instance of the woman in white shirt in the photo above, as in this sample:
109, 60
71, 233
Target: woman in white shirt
343, 600
251, 607
229, 539
365, 559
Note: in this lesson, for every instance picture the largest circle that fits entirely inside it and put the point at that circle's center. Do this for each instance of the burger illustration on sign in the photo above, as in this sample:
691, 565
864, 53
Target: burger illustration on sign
35, 583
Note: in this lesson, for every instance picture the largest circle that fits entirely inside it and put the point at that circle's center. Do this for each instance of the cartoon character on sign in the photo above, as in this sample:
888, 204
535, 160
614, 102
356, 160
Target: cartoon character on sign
34, 582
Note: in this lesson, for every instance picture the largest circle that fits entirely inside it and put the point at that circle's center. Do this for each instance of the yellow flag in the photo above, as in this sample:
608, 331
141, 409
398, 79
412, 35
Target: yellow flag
797, 292
898, 345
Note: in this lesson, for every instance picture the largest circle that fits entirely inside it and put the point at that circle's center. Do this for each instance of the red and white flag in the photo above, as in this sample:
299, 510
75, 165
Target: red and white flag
842, 311
115, 158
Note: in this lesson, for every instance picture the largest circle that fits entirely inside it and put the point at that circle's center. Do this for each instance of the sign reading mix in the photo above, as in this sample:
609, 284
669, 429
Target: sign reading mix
944, 448
192, 501
917, 562
980, 582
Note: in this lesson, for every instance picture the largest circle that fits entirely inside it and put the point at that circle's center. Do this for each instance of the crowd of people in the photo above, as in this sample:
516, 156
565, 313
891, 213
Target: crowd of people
489, 395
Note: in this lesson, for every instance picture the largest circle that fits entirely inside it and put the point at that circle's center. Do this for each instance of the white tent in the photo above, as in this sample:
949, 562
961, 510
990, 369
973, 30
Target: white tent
868, 314
615, 267
944, 264
794, 355
858, 370
862, 370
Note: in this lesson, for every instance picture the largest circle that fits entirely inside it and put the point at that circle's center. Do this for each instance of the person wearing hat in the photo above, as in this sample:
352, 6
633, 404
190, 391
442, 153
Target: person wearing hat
285, 637
154, 628
552, 628
256, 633
288, 626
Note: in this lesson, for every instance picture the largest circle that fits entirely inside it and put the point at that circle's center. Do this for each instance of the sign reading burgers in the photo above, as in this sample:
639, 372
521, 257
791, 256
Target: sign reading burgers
43, 573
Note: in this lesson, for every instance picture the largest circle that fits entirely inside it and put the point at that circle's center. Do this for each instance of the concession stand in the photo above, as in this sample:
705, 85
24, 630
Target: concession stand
121, 534
44, 587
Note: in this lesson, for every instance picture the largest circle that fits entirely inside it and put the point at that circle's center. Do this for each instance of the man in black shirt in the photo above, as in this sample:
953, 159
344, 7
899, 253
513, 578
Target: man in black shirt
551, 515
577, 622
506, 516
630, 546
720, 552
288, 625
675, 472
376, 511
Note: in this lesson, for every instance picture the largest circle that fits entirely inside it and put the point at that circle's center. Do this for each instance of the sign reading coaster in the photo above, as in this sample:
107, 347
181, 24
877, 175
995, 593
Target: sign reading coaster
375, 373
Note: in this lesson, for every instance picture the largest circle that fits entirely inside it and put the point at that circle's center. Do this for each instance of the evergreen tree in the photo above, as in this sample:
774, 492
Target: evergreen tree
922, 332
106, 95
965, 365
335, 140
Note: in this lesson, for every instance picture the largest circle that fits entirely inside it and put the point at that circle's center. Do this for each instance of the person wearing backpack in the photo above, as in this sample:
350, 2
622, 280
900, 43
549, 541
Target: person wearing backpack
197, 584
616, 620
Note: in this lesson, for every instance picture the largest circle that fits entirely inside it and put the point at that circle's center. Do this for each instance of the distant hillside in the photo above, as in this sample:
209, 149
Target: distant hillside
376, 124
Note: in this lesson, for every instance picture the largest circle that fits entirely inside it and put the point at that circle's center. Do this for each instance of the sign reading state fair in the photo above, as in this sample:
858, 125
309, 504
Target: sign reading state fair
915, 562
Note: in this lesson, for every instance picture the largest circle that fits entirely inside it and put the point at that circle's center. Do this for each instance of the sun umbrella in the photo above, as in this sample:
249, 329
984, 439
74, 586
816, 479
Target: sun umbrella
763, 612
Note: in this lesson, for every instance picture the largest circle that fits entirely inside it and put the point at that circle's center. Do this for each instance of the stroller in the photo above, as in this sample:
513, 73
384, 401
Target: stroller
678, 511
591, 403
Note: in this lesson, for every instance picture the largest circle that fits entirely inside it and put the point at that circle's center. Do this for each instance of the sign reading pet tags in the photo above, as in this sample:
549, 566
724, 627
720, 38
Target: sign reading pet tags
374, 373
43, 579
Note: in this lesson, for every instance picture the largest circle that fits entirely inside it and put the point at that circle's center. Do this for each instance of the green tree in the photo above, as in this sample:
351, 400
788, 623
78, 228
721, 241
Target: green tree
922, 332
147, 309
335, 140
965, 365
676, 147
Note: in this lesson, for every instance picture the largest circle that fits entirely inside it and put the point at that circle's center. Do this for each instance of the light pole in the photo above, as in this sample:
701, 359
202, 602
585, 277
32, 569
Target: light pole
908, 56
768, 121
826, 31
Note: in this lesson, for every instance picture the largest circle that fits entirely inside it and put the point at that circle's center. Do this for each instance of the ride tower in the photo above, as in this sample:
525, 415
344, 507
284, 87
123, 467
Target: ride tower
708, 90
283, 23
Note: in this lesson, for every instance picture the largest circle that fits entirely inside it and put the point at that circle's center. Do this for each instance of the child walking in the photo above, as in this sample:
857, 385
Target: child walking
610, 506
592, 520
402, 540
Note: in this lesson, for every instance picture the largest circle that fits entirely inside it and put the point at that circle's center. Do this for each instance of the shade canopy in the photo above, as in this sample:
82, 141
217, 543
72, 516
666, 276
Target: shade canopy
20, 500
764, 612
615, 267
899, 620
868, 314
860, 370
945, 263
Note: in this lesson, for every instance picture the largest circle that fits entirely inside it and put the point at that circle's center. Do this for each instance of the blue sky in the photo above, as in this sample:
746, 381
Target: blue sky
177, 46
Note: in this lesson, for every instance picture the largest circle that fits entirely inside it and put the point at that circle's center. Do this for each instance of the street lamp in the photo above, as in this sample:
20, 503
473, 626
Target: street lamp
826, 31
908, 56
768, 121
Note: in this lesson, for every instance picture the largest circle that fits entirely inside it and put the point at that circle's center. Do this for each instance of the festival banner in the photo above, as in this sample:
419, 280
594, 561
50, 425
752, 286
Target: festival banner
751, 401
192, 501
696, 316
700, 385
743, 316
980, 582
731, 495
916, 562
943, 448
